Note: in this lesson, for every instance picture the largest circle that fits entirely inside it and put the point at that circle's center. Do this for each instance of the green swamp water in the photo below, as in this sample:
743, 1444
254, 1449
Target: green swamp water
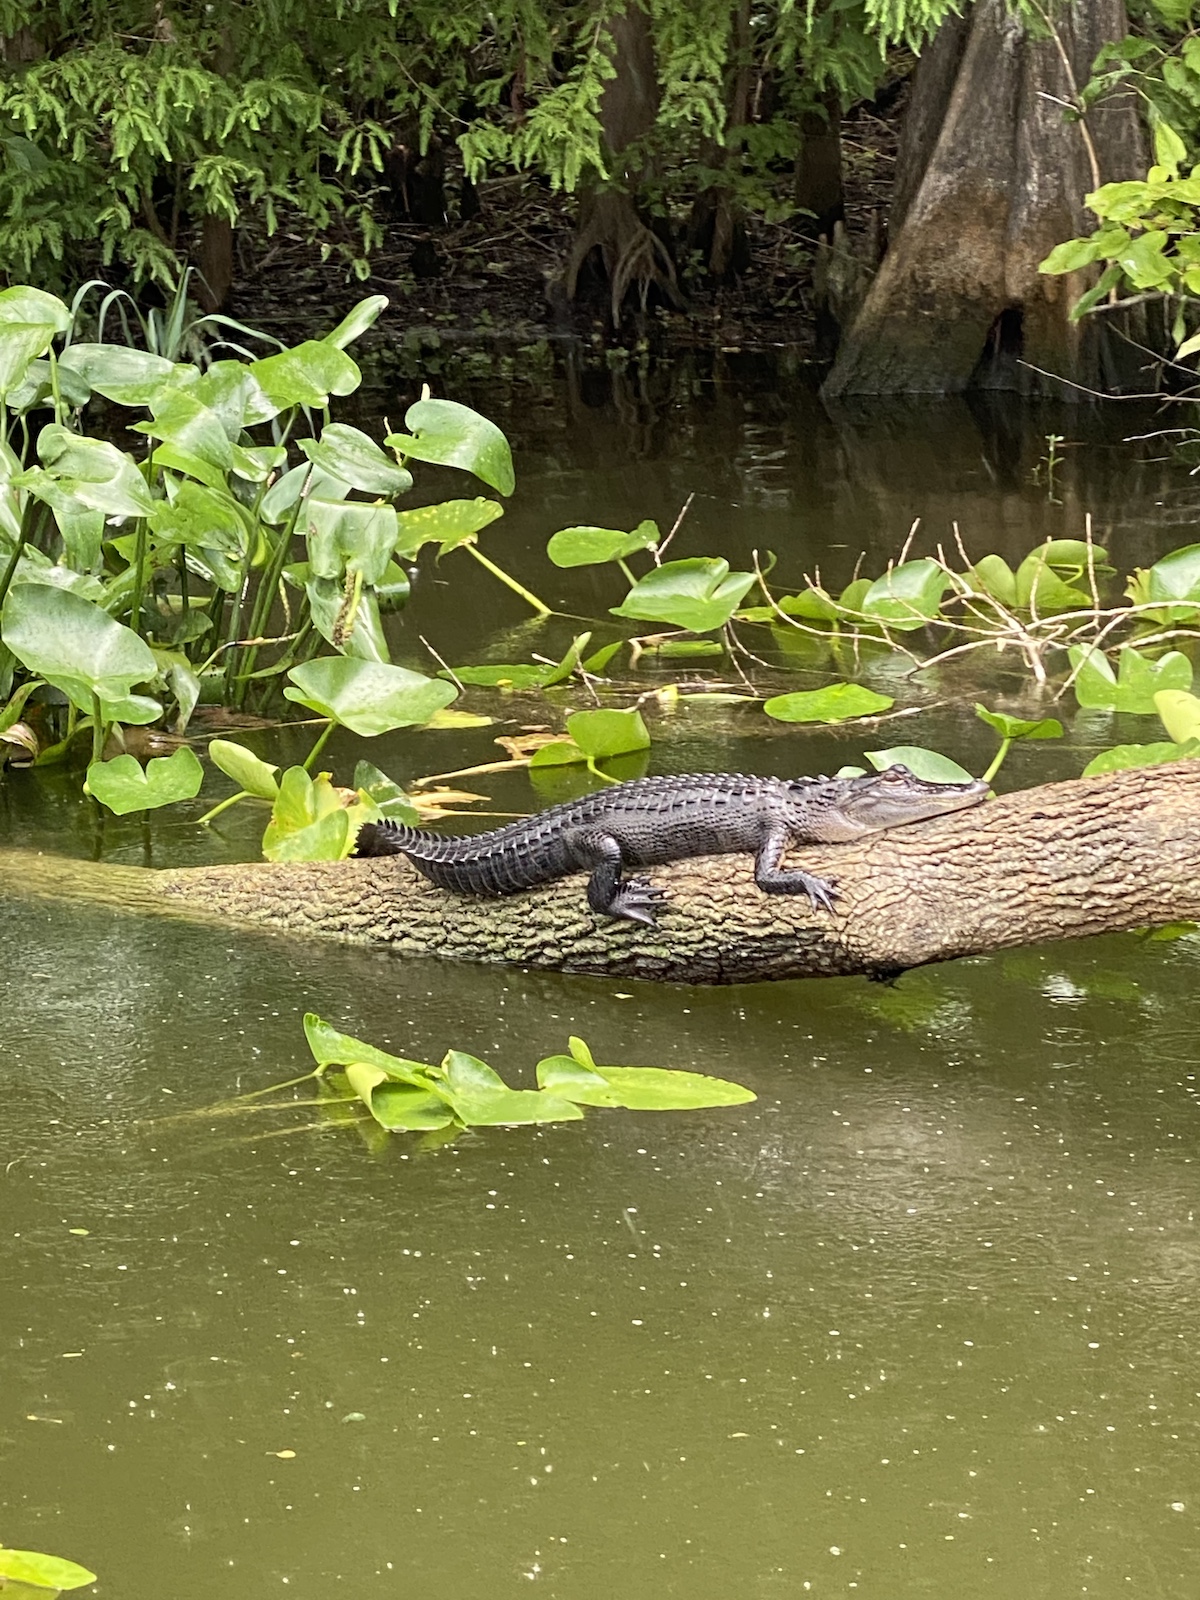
919, 1322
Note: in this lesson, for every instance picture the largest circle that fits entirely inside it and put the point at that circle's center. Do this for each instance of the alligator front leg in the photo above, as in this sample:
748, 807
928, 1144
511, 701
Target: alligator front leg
772, 879
631, 900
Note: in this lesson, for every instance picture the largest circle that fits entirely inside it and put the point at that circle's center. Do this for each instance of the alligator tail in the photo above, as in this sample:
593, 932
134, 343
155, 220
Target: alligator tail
389, 839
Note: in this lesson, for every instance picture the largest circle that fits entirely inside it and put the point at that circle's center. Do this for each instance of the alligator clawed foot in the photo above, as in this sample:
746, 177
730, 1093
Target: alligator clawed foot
820, 892
637, 901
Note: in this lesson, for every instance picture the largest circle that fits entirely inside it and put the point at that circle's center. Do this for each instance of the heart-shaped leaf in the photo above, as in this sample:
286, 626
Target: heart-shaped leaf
699, 594
351, 455
80, 649
447, 524
368, 697
453, 435
587, 546
838, 703
908, 596
123, 786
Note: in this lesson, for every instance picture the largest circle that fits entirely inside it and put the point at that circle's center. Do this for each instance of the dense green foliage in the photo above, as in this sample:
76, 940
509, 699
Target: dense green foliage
123, 124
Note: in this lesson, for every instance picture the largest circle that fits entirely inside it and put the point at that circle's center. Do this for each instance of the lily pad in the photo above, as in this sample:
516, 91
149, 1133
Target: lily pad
368, 697
587, 546
839, 703
123, 786
700, 594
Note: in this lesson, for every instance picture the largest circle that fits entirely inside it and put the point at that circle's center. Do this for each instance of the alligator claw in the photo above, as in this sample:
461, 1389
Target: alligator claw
637, 901
820, 892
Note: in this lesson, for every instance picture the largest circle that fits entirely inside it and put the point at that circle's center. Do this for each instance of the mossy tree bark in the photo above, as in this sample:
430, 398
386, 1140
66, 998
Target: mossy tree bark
1096, 855
991, 175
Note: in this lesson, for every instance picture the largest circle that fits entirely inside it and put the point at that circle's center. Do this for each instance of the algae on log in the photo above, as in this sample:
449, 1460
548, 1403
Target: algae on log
1094, 855
990, 177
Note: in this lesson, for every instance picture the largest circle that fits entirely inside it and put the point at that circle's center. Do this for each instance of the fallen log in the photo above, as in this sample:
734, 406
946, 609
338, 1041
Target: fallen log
1064, 861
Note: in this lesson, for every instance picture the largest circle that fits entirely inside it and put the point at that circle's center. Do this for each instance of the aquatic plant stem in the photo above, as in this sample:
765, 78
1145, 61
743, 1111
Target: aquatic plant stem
97, 729
540, 606
322, 741
997, 759
224, 805
139, 578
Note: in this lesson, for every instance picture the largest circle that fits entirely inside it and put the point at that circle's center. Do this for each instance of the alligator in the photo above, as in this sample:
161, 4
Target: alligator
654, 820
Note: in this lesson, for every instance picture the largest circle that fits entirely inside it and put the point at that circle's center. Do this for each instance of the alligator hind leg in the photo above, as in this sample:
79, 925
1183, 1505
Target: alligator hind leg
772, 879
631, 899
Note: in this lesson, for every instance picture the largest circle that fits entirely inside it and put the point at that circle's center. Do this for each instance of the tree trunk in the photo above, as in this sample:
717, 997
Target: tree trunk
817, 183
716, 227
610, 229
990, 177
1096, 855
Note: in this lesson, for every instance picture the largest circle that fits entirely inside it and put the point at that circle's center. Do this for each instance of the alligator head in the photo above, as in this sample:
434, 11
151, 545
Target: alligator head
842, 809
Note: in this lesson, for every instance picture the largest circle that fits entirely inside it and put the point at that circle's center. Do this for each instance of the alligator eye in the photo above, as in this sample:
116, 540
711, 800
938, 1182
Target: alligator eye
897, 772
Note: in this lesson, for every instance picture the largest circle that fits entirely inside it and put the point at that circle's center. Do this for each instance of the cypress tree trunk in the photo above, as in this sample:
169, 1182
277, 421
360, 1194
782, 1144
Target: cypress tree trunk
610, 228
991, 175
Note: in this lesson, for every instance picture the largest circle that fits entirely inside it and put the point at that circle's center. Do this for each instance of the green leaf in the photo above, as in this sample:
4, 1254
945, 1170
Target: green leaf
255, 776
20, 344
838, 703
927, 764
1169, 149
1070, 256
1014, 728
587, 546
349, 536
350, 623
601, 734
24, 304
351, 455
481, 1099
189, 427
308, 821
202, 518
80, 649
561, 753
42, 1572
908, 596
1179, 713
95, 472
453, 435
595, 736
331, 1048
1144, 262
1173, 579
1134, 686
368, 697
356, 321
700, 594
1041, 589
636, 1088
306, 375
449, 523
130, 377
398, 1107
995, 577
386, 795
1123, 756
123, 786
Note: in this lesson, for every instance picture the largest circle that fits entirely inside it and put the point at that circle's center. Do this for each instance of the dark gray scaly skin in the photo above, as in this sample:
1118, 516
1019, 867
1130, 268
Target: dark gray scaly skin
655, 820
